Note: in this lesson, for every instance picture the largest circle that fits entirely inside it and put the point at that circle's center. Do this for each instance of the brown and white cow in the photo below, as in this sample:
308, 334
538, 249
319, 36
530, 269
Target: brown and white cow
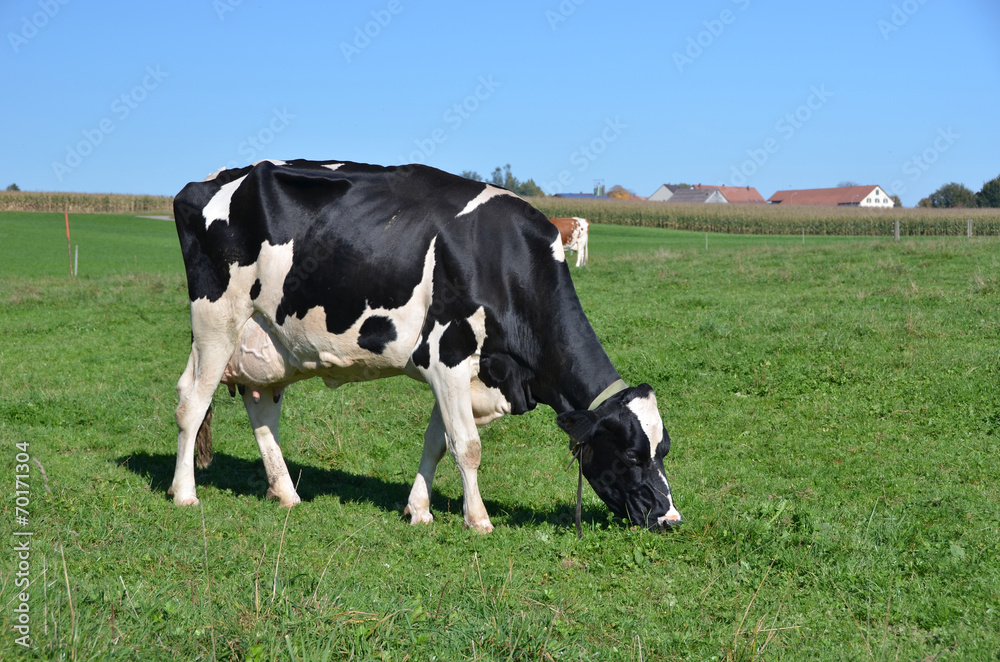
575, 234
352, 272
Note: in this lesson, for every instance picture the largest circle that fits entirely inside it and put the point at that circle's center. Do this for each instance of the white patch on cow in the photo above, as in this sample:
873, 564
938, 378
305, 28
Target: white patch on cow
672, 516
434, 341
483, 197
649, 418
272, 267
217, 208
333, 166
488, 402
477, 321
558, 252
337, 358
214, 174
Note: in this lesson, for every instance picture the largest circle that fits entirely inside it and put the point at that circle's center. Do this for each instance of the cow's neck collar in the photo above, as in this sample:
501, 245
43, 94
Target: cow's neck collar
616, 387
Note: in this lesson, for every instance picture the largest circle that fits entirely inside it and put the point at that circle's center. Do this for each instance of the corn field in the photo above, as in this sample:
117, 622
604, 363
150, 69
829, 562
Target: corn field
732, 219
774, 219
86, 203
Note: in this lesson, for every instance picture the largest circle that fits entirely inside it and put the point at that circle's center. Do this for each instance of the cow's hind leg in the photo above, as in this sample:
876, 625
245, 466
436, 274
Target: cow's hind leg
205, 368
451, 388
418, 506
215, 332
264, 410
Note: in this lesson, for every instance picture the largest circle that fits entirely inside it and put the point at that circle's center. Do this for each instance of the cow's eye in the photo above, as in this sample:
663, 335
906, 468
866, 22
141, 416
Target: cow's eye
632, 457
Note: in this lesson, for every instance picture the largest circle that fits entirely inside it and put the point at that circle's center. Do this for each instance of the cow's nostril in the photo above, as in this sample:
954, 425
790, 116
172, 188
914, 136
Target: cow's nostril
671, 519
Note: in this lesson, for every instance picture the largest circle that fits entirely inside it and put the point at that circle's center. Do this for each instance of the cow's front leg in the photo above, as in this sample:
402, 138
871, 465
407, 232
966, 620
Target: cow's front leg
418, 506
264, 410
451, 388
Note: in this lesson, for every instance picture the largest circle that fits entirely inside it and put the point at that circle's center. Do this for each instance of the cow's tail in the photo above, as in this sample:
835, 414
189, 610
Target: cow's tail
203, 442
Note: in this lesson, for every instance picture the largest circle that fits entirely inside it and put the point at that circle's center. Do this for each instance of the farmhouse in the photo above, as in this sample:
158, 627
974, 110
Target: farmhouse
698, 196
665, 192
700, 193
737, 194
847, 196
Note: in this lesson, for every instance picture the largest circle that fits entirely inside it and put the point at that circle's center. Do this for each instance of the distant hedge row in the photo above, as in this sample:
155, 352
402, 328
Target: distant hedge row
775, 219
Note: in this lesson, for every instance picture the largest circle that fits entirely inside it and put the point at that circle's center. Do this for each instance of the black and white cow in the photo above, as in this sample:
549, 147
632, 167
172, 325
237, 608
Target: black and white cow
352, 272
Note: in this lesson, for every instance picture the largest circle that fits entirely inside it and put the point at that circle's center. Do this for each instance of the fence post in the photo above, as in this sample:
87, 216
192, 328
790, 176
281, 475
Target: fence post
895, 229
970, 228
69, 245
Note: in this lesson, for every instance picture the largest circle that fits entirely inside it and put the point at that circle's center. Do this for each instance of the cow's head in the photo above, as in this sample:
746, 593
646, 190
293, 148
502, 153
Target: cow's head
621, 445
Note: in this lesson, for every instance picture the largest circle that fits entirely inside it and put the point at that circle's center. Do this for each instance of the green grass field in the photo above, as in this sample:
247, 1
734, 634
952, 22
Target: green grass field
833, 409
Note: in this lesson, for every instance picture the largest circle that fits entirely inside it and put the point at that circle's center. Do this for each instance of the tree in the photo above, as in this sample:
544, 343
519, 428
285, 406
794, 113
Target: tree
896, 202
530, 189
473, 175
950, 195
619, 192
847, 184
13, 187
504, 178
989, 196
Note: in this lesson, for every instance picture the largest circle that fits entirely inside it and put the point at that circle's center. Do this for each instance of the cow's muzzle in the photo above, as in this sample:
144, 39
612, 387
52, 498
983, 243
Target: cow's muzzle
669, 521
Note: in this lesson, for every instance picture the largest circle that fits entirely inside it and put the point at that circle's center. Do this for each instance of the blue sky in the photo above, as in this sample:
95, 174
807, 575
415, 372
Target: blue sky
133, 97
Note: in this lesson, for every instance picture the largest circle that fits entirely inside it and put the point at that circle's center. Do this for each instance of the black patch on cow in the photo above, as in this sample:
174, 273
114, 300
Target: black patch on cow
255, 290
376, 333
421, 356
458, 342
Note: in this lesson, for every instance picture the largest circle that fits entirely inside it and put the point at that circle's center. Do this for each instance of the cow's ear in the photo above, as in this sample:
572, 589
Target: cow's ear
579, 424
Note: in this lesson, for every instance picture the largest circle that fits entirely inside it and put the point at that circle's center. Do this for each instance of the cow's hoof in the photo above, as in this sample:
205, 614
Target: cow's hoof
418, 515
181, 500
482, 526
182, 497
285, 501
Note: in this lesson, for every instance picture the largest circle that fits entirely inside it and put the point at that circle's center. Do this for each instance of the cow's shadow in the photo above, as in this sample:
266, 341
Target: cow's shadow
247, 478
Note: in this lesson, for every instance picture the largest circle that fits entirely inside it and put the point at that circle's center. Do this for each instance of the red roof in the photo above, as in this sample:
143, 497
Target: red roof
736, 194
847, 195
